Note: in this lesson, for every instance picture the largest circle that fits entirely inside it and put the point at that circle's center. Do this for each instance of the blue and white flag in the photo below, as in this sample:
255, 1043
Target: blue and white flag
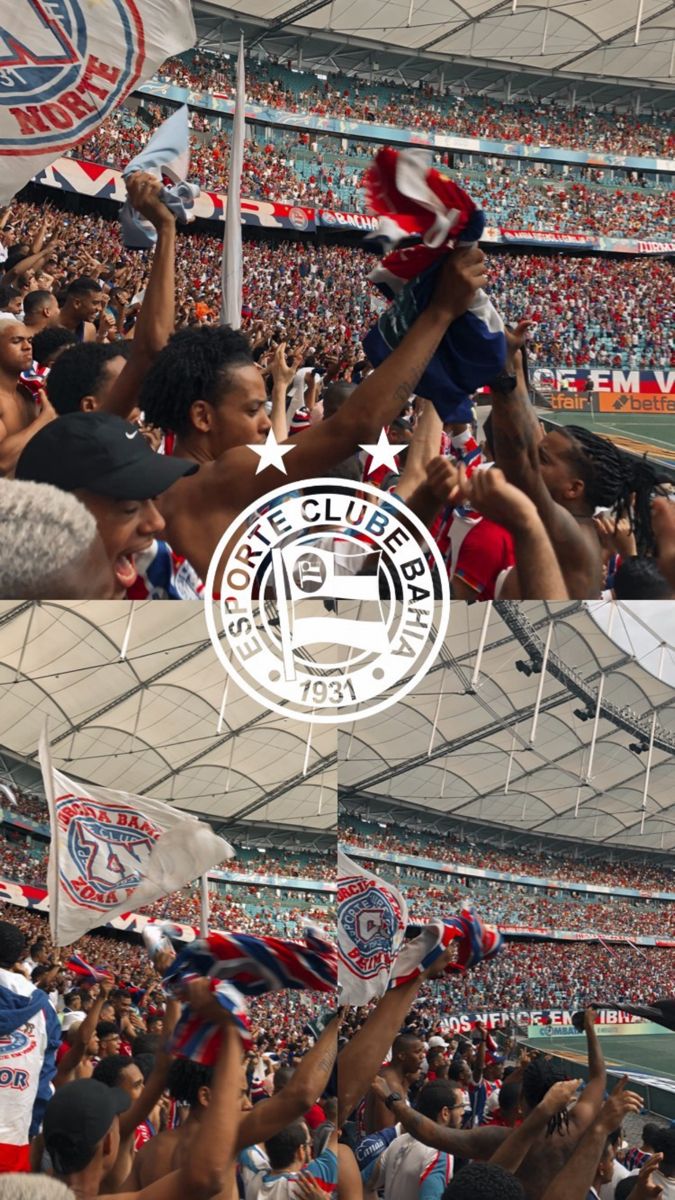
417, 200
66, 66
167, 155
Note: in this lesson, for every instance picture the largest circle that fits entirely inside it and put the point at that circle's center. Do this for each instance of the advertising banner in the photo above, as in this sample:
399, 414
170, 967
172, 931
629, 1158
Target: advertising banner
546, 1022
106, 183
620, 402
609, 382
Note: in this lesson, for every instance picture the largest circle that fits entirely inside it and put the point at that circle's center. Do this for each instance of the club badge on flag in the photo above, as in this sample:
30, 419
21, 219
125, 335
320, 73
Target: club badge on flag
372, 919
111, 851
67, 65
379, 948
414, 198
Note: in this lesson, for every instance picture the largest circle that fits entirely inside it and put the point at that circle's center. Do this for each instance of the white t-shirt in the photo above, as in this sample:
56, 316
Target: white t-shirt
411, 1171
619, 1172
22, 1053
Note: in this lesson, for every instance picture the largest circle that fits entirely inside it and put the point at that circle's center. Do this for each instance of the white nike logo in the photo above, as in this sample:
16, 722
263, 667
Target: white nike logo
131, 435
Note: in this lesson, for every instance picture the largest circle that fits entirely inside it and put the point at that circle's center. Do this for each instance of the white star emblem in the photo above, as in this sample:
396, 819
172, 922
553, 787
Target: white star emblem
271, 454
383, 454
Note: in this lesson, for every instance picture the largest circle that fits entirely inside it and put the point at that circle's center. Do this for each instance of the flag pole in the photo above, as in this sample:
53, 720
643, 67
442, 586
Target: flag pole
204, 907
232, 251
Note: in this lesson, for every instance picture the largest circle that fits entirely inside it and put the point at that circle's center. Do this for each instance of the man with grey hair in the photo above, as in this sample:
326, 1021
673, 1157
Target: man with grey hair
33, 1187
50, 547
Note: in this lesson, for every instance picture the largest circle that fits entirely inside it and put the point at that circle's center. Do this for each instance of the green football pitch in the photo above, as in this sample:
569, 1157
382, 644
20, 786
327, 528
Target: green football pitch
653, 1054
653, 435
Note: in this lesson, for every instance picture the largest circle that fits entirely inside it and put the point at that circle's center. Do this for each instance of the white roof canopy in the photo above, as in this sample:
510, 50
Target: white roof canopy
149, 722
612, 39
471, 756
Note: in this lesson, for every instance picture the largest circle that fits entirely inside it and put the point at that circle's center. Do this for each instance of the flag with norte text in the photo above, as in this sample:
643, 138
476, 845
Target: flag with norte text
66, 65
111, 852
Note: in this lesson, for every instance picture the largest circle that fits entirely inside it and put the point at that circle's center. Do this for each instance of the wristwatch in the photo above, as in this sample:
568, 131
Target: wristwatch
392, 1098
504, 382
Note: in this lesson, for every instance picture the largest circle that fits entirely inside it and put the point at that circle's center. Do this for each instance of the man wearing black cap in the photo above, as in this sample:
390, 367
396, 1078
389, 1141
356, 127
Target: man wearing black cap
29, 1038
108, 465
82, 1137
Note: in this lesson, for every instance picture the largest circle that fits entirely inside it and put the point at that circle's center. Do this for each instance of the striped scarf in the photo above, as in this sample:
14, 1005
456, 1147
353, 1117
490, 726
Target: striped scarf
239, 965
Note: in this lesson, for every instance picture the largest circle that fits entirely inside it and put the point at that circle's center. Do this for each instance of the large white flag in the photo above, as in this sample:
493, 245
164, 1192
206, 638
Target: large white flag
66, 65
372, 920
112, 852
232, 253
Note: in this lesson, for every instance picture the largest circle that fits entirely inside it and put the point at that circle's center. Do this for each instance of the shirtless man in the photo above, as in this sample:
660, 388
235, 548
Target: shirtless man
206, 388
20, 415
82, 304
399, 1075
193, 1083
82, 1135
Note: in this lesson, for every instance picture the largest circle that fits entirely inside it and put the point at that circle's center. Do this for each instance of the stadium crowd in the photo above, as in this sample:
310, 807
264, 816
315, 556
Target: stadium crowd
530, 527
278, 170
127, 1110
551, 865
554, 124
251, 906
428, 1109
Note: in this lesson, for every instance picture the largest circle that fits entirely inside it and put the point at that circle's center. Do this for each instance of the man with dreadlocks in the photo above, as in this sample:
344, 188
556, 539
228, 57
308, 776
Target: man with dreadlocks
568, 473
546, 1158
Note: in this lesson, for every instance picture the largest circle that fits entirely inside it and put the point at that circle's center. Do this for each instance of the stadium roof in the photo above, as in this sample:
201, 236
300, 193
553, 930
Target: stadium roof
148, 723
602, 47
451, 750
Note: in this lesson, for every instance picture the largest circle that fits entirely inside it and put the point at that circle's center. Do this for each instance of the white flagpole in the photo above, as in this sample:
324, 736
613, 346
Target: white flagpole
205, 906
232, 251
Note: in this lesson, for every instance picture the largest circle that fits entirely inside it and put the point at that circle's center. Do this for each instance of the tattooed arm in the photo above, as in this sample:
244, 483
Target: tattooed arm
479, 1143
300, 1093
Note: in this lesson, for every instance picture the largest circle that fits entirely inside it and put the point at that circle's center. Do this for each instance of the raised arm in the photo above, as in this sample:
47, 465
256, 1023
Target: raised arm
591, 1098
512, 1152
157, 315
364, 1054
517, 436
379, 398
209, 1166
576, 1178
85, 1032
156, 1083
425, 445
300, 1093
480, 1143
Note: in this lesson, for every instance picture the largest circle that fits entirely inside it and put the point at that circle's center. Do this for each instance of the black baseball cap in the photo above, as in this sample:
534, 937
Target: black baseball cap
76, 1118
100, 452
